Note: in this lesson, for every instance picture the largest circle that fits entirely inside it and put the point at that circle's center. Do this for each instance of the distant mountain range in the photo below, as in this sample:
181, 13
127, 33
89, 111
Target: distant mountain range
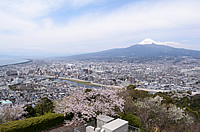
146, 48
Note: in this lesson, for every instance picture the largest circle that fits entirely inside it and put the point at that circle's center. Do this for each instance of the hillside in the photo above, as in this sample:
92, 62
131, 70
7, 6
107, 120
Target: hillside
146, 48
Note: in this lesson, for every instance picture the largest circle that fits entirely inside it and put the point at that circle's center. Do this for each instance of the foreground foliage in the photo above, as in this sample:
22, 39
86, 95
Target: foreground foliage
89, 104
10, 113
153, 114
35, 124
161, 112
45, 105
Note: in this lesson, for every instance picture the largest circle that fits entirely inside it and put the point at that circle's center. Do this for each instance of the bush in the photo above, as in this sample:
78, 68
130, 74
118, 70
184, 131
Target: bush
194, 113
30, 111
69, 116
131, 87
167, 99
88, 90
132, 120
44, 106
34, 124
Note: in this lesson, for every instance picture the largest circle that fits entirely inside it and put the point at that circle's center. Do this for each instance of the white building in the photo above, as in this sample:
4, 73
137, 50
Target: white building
109, 124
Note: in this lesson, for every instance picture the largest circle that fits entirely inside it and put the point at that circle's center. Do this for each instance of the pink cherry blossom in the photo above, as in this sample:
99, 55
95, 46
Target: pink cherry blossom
89, 105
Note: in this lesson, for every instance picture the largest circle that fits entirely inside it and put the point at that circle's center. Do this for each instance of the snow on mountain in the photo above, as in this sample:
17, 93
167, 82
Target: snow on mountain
146, 48
167, 43
148, 41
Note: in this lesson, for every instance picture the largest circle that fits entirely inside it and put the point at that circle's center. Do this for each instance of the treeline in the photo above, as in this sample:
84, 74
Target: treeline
162, 111
189, 102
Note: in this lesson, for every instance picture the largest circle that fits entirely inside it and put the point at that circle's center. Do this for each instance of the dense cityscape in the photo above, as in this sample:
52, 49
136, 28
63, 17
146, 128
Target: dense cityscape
28, 83
69, 88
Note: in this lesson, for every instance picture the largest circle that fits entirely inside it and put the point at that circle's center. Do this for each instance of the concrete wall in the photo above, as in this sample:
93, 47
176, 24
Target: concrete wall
122, 129
90, 129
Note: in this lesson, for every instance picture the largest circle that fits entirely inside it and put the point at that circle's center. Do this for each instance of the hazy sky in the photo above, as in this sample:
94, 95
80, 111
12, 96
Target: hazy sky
58, 27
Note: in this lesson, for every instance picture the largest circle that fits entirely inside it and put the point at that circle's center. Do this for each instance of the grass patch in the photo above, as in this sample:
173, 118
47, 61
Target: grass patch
81, 82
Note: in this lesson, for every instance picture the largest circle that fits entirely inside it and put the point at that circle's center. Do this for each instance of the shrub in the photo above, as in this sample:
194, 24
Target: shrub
132, 120
88, 90
131, 87
44, 106
69, 116
34, 124
30, 111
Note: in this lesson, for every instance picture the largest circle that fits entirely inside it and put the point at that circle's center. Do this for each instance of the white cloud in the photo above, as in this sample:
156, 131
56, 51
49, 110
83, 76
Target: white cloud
12, 23
160, 19
128, 20
173, 44
29, 8
38, 8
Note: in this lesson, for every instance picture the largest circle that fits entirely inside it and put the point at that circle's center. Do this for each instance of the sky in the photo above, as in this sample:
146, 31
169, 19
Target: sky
65, 27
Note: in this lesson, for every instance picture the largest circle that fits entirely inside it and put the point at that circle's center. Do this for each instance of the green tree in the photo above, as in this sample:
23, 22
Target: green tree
132, 119
44, 106
166, 99
31, 111
88, 90
131, 87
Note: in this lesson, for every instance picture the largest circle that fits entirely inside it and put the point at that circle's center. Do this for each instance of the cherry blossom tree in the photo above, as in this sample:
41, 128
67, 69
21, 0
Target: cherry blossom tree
154, 114
10, 113
1, 116
88, 105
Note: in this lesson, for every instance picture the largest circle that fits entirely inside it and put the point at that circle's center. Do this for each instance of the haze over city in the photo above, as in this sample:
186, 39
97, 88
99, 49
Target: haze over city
63, 27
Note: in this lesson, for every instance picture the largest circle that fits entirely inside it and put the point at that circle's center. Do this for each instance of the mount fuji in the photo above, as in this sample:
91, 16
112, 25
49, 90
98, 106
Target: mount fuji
148, 41
147, 48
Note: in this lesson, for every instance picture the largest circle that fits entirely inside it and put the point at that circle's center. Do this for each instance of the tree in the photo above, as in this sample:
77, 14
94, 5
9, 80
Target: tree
166, 99
153, 114
30, 111
86, 106
132, 119
1, 116
157, 111
88, 90
44, 106
10, 113
131, 87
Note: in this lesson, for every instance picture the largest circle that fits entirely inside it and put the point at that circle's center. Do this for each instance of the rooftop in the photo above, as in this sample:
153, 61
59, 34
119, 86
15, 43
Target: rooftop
115, 124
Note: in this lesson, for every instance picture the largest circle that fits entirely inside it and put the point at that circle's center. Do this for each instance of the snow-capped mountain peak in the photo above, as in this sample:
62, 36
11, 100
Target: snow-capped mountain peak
148, 41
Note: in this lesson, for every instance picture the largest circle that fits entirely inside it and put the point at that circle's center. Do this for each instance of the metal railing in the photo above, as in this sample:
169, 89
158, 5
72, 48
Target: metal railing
133, 129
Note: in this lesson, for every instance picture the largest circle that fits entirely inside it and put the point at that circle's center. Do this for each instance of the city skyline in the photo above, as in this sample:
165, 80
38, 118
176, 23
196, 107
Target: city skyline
62, 27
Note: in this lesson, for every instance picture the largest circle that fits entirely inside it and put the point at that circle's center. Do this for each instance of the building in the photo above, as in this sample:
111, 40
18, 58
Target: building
5, 102
108, 124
